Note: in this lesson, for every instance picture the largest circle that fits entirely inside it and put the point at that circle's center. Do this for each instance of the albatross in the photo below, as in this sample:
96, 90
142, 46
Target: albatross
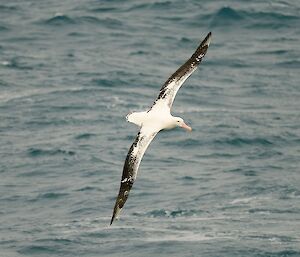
157, 118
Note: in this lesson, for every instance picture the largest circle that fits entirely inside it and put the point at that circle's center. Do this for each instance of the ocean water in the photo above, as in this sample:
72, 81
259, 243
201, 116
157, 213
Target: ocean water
70, 71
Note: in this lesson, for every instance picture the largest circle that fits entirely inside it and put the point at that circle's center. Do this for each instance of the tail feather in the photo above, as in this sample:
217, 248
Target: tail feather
136, 117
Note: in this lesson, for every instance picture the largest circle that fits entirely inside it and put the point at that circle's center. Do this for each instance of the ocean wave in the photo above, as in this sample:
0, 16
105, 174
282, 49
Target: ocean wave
293, 64
55, 245
83, 210
172, 214
289, 192
232, 141
87, 188
273, 52
188, 178
50, 195
141, 52
107, 22
226, 15
274, 237
271, 18
229, 16
274, 211
38, 249
60, 19
104, 9
77, 34
18, 63
108, 83
6, 8
184, 142
84, 136
92, 19
245, 172
28, 94
239, 141
156, 6
218, 155
3, 28
37, 152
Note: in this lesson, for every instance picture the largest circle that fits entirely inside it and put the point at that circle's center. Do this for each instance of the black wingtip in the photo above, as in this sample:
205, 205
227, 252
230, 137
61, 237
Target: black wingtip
206, 40
112, 220
116, 212
113, 217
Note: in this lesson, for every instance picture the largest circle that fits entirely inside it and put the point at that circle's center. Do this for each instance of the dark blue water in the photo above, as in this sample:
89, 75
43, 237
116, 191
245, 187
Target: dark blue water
69, 73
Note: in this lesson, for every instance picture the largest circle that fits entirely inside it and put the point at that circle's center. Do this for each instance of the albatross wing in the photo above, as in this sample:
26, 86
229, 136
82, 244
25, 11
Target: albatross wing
169, 89
130, 169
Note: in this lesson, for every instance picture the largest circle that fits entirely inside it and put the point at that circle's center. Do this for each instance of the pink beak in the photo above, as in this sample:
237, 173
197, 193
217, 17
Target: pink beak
188, 128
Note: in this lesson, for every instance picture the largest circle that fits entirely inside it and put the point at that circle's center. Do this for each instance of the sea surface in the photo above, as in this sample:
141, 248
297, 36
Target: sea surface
71, 70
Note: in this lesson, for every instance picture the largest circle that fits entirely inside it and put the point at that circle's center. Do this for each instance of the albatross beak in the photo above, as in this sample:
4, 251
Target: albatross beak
188, 128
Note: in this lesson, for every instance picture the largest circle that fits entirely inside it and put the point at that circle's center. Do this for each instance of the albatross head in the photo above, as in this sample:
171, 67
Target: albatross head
179, 122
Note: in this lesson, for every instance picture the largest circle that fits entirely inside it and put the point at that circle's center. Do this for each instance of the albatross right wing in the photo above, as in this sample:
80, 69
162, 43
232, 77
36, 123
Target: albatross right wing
130, 169
168, 91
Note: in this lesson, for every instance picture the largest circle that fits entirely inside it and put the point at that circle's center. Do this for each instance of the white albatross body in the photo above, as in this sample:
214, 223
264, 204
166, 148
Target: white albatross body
157, 118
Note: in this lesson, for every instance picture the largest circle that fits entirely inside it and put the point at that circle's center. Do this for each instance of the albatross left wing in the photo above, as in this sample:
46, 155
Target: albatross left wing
131, 165
169, 89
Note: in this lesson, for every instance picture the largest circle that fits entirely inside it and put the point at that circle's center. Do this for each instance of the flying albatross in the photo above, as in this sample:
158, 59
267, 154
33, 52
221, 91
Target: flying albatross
157, 118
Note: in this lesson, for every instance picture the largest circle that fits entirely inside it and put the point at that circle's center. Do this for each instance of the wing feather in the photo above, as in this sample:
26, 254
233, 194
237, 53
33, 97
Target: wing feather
130, 169
172, 85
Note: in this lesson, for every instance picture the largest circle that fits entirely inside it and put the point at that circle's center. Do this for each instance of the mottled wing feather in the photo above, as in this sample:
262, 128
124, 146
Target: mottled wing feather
130, 169
169, 89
